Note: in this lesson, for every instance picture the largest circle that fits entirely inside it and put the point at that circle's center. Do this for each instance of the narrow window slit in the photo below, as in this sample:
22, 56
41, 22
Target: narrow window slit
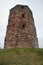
22, 15
23, 26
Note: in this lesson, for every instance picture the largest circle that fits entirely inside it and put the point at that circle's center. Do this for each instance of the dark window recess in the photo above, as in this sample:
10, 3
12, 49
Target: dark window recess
22, 15
22, 7
23, 26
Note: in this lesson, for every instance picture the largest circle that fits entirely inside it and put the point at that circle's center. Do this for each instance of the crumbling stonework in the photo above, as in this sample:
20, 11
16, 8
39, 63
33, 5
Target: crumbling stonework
21, 31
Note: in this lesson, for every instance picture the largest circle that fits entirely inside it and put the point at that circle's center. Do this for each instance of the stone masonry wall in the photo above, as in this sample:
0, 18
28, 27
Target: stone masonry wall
21, 31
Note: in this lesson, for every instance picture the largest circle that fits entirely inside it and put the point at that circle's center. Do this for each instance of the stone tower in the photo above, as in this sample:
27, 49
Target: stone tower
21, 31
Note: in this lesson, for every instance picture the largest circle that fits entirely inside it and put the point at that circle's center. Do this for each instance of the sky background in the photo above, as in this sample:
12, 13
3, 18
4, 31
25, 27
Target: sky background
37, 8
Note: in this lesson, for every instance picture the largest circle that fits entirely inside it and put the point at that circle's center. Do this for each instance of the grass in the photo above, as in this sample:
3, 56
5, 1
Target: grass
21, 56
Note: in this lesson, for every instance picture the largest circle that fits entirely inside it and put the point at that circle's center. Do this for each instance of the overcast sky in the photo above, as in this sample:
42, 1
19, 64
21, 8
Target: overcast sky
37, 8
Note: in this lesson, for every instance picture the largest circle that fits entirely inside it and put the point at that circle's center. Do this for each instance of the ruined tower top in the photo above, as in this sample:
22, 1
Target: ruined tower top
21, 31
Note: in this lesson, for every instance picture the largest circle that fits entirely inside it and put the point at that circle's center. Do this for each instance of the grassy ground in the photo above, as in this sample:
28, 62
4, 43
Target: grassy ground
21, 56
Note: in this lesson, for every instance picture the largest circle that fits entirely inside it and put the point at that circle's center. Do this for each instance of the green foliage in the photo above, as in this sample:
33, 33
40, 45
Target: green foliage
21, 56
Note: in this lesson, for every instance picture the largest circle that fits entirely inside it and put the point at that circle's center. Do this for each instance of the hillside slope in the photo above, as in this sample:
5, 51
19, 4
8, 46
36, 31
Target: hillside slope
21, 56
